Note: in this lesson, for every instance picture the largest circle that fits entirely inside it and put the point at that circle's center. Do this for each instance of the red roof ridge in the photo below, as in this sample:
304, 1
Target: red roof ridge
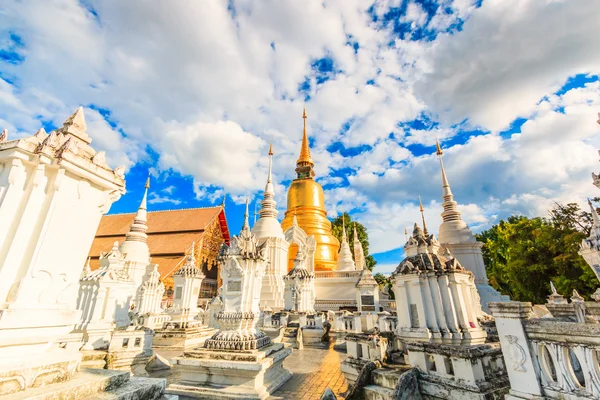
172, 209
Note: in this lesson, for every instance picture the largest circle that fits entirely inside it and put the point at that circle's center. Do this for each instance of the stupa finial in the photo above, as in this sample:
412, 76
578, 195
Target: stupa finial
423, 216
305, 162
246, 223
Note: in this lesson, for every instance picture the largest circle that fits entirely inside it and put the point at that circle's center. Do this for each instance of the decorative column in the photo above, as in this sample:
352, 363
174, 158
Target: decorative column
519, 363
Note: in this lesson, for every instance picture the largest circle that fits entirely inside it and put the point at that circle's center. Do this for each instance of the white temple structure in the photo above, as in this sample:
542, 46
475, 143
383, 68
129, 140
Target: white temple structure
105, 298
187, 280
436, 297
185, 326
239, 360
268, 230
54, 188
455, 235
300, 286
125, 285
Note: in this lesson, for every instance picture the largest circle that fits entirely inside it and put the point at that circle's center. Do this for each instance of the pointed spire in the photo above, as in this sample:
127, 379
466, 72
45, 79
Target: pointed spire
270, 163
305, 163
139, 227
224, 198
406, 233
267, 225
359, 253
423, 216
450, 212
246, 225
345, 261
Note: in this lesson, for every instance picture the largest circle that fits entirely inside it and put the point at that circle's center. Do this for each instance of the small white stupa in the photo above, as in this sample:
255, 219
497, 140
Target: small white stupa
345, 261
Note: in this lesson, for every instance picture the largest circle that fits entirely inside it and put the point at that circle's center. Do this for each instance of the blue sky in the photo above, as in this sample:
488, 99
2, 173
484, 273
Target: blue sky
194, 93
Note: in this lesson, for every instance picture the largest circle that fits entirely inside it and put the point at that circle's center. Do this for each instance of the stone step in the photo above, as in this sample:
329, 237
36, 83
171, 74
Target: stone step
86, 384
374, 392
136, 388
93, 359
387, 378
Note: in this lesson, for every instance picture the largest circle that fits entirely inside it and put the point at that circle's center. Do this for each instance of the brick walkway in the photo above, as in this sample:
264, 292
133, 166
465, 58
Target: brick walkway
313, 371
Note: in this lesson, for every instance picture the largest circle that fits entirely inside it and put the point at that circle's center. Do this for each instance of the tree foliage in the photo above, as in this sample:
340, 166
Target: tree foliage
361, 231
522, 255
385, 284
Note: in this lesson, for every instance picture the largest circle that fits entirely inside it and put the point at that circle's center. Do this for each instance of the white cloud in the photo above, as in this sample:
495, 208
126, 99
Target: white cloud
208, 91
158, 199
510, 54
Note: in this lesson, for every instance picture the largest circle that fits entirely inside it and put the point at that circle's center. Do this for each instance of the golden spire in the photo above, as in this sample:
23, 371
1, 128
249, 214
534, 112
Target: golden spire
270, 149
305, 158
438, 149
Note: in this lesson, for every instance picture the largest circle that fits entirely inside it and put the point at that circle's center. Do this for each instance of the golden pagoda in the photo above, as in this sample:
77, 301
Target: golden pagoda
306, 201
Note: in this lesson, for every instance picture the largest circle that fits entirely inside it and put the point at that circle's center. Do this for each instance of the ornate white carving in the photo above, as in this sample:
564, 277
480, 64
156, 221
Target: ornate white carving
120, 171
516, 353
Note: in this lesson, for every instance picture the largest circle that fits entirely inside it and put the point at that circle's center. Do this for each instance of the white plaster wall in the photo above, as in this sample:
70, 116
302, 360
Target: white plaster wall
335, 288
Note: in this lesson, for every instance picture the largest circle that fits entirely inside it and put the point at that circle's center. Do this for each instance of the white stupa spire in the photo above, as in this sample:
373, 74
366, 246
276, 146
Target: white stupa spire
345, 261
267, 224
359, 253
139, 227
246, 226
450, 212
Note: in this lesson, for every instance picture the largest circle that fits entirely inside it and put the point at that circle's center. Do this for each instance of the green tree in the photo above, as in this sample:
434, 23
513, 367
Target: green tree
523, 255
385, 284
361, 231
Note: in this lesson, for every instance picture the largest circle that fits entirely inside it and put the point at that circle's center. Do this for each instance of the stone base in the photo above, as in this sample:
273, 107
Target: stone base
127, 360
351, 368
182, 338
98, 384
207, 374
93, 359
19, 373
275, 334
312, 336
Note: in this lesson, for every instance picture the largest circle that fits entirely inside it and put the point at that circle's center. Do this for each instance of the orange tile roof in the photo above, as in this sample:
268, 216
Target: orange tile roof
185, 220
170, 234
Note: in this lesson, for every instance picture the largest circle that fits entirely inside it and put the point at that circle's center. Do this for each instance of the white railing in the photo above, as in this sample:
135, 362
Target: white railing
567, 359
324, 305
336, 274
549, 357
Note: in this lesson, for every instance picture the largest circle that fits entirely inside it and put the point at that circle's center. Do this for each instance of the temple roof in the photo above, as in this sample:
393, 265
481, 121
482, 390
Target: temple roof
170, 234
425, 262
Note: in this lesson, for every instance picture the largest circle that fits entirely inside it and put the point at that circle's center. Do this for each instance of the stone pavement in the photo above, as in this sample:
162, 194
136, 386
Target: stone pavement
313, 369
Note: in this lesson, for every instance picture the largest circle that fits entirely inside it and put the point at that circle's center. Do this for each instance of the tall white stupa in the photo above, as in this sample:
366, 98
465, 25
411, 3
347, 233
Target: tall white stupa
268, 229
455, 235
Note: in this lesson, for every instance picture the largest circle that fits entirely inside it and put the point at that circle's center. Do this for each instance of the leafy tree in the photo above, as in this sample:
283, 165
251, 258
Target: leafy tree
523, 255
385, 284
361, 231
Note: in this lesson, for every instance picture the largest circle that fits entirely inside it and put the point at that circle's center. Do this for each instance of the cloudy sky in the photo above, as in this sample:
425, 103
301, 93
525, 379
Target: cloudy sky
195, 91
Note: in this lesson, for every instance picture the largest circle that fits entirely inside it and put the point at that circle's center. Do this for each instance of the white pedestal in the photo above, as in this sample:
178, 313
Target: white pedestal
207, 374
